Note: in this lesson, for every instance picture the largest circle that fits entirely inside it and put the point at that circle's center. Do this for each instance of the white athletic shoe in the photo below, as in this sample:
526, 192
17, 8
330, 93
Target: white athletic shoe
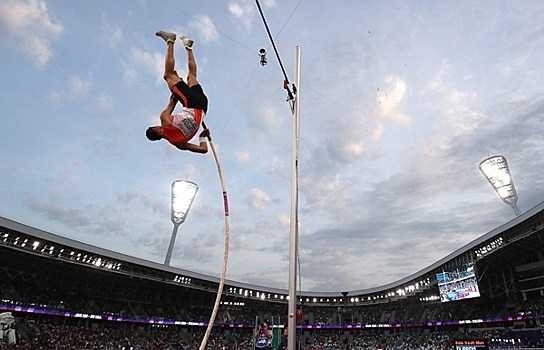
188, 43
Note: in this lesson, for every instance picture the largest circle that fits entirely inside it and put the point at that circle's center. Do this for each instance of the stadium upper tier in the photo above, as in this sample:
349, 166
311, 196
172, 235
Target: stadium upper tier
501, 257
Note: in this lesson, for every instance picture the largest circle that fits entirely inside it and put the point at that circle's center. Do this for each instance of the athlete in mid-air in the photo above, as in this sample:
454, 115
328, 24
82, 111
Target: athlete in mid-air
180, 128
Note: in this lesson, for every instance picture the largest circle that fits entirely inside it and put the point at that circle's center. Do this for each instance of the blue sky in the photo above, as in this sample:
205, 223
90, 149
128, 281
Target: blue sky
400, 101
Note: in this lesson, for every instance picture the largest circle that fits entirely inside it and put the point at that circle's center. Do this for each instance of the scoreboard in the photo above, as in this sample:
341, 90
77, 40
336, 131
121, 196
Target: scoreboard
471, 344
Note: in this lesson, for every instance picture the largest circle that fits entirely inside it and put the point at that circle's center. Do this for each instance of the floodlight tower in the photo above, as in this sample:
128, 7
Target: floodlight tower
183, 194
496, 171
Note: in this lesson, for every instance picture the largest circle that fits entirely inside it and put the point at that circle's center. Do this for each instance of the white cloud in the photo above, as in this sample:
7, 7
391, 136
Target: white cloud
324, 190
111, 33
80, 87
199, 249
242, 13
56, 98
30, 22
280, 167
206, 29
141, 61
52, 209
438, 81
103, 106
284, 220
244, 242
459, 111
377, 132
389, 98
258, 199
352, 148
242, 157
105, 103
267, 118
237, 10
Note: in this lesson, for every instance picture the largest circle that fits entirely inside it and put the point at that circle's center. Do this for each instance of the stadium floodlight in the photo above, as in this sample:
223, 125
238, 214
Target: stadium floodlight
183, 195
496, 171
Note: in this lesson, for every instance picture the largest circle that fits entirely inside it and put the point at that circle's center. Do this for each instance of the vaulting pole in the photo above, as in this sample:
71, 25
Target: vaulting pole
293, 250
226, 249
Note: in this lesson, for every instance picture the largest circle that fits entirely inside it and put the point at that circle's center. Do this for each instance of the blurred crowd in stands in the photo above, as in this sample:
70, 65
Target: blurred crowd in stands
47, 332
57, 333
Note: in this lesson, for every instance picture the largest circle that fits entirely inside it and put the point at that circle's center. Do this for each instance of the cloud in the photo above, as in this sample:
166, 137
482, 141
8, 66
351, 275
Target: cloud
243, 242
102, 107
130, 195
329, 195
284, 220
105, 220
460, 113
78, 88
376, 132
239, 10
352, 148
388, 99
242, 157
141, 61
267, 118
55, 211
242, 13
200, 248
206, 29
104, 103
372, 245
258, 199
280, 167
31, 24
111, 33
111, 222
439, 80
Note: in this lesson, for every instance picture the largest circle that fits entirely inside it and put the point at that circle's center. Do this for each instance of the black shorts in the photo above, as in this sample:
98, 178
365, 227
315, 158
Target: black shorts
190, 97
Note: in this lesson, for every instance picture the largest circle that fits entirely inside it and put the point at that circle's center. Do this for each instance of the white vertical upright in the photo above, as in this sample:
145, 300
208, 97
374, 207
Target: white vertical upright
293, 250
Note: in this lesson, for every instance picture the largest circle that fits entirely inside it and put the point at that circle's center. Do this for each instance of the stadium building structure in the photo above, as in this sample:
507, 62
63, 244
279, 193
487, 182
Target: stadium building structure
509, 261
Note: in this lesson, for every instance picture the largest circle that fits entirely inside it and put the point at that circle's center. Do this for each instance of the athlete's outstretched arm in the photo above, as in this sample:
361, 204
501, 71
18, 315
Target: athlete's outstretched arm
202, 147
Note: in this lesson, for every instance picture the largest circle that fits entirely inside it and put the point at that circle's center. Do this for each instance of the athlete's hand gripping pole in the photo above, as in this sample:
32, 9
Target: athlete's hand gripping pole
209, 135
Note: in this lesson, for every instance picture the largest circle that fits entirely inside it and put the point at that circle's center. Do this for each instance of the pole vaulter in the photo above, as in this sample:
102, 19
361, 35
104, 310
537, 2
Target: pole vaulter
180, 128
